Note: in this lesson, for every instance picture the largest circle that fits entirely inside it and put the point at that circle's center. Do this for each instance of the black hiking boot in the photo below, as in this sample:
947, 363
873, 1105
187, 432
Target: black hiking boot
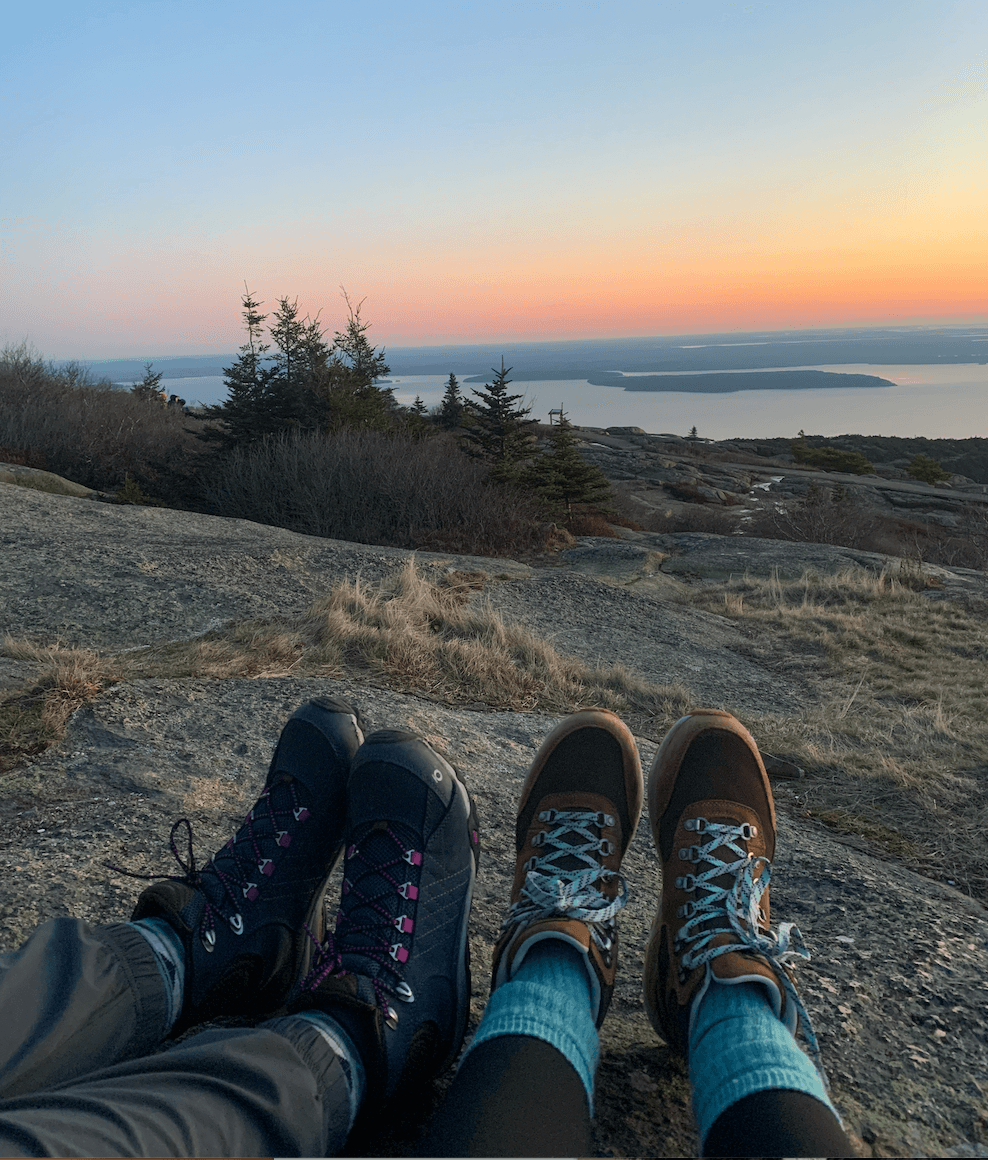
243, 917
395, 973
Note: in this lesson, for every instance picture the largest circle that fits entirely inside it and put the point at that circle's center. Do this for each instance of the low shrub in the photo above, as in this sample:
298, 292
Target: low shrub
925, 469
831, 458
691, 518
830, 515
590, 524
86, 431
375, 487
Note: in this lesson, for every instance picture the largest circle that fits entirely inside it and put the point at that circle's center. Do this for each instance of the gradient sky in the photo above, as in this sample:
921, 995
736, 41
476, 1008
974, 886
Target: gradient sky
507, 171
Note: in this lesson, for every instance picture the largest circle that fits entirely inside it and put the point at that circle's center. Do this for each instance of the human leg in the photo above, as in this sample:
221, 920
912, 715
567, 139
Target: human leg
275, 1090
75, 997
231, 938
718, 987
525, 1085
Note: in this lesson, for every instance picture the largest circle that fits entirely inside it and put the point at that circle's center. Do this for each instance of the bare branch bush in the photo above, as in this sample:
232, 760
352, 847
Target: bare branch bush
374, 487
87, 431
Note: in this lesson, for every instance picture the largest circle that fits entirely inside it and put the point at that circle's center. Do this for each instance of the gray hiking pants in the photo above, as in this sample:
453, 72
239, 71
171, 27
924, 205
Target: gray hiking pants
82, 1007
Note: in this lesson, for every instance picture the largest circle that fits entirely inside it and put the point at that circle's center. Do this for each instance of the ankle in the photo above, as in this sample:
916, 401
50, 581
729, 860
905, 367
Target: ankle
554, 961
169, 955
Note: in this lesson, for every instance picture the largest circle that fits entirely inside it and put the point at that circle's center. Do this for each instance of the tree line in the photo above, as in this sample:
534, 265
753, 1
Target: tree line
301, 381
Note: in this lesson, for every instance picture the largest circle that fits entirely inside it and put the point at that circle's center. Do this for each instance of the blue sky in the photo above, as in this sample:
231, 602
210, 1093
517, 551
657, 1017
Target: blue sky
516, 171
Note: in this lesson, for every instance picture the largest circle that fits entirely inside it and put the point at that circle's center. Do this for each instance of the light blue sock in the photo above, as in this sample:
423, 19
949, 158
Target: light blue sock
738, 1047
549, 999
342, 1090
343, 1046
169, 954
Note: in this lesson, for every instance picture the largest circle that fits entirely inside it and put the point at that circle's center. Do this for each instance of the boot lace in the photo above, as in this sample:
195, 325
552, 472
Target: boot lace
564, 881
740, 905
375, 918
235, 873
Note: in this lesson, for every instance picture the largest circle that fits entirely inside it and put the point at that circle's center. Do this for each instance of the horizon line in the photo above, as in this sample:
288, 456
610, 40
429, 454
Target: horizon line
424, 345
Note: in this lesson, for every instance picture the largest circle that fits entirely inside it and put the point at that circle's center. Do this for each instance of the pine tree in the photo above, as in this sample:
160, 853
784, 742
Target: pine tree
348, 387
149, 388
287, 388
562, 477
500, 431
451, 409
246, 413
307, 383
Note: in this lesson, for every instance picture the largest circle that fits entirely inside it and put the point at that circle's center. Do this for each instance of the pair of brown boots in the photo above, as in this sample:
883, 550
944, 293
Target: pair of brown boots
713, 823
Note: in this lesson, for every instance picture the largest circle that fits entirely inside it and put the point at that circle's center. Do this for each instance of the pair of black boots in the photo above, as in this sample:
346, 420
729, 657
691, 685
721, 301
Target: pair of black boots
394, 972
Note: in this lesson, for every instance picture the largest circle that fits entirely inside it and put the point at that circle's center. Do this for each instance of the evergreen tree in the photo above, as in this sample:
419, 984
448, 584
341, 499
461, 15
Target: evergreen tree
287, 388
348, 387
245, 411
149, 388
925, 469
306, 383
500, 431
562, 477
451, 409
259, 386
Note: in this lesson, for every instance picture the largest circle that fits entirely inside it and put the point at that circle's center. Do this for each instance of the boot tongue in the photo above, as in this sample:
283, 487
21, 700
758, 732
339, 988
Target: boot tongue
562, 838
372, 903
726, 882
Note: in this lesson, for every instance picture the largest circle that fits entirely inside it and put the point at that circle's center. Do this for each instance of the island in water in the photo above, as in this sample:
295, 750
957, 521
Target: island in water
738, 381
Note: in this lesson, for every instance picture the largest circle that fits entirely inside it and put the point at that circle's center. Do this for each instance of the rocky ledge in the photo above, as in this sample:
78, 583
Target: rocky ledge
666, 473
897, 984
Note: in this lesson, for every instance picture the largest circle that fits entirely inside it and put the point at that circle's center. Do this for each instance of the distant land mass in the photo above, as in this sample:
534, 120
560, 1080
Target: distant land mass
592, 358
740, 381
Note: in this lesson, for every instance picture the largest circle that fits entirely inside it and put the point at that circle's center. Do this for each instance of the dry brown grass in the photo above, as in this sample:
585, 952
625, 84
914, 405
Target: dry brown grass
405, 633
896, 749
35, 716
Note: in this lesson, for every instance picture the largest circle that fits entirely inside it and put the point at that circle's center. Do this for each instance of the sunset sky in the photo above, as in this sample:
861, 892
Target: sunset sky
508, 171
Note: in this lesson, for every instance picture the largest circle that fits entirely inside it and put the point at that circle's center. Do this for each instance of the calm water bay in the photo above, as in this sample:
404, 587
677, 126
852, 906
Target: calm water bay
947, 402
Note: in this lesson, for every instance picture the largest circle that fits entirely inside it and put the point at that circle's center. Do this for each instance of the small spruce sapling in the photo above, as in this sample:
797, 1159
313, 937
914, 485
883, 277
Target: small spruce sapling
561, 476
149, 388
500, 430
452, 407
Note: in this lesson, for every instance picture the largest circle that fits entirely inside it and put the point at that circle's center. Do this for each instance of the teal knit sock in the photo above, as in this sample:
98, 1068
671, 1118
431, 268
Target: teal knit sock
549, 999
169, 954
738, 1047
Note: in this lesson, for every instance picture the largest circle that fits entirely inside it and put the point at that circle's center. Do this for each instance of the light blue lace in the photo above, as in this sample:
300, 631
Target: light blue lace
741, 905
551, 892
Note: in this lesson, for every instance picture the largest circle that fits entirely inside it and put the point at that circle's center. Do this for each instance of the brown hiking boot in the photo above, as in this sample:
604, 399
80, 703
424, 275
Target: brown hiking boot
713, 822
578, 812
